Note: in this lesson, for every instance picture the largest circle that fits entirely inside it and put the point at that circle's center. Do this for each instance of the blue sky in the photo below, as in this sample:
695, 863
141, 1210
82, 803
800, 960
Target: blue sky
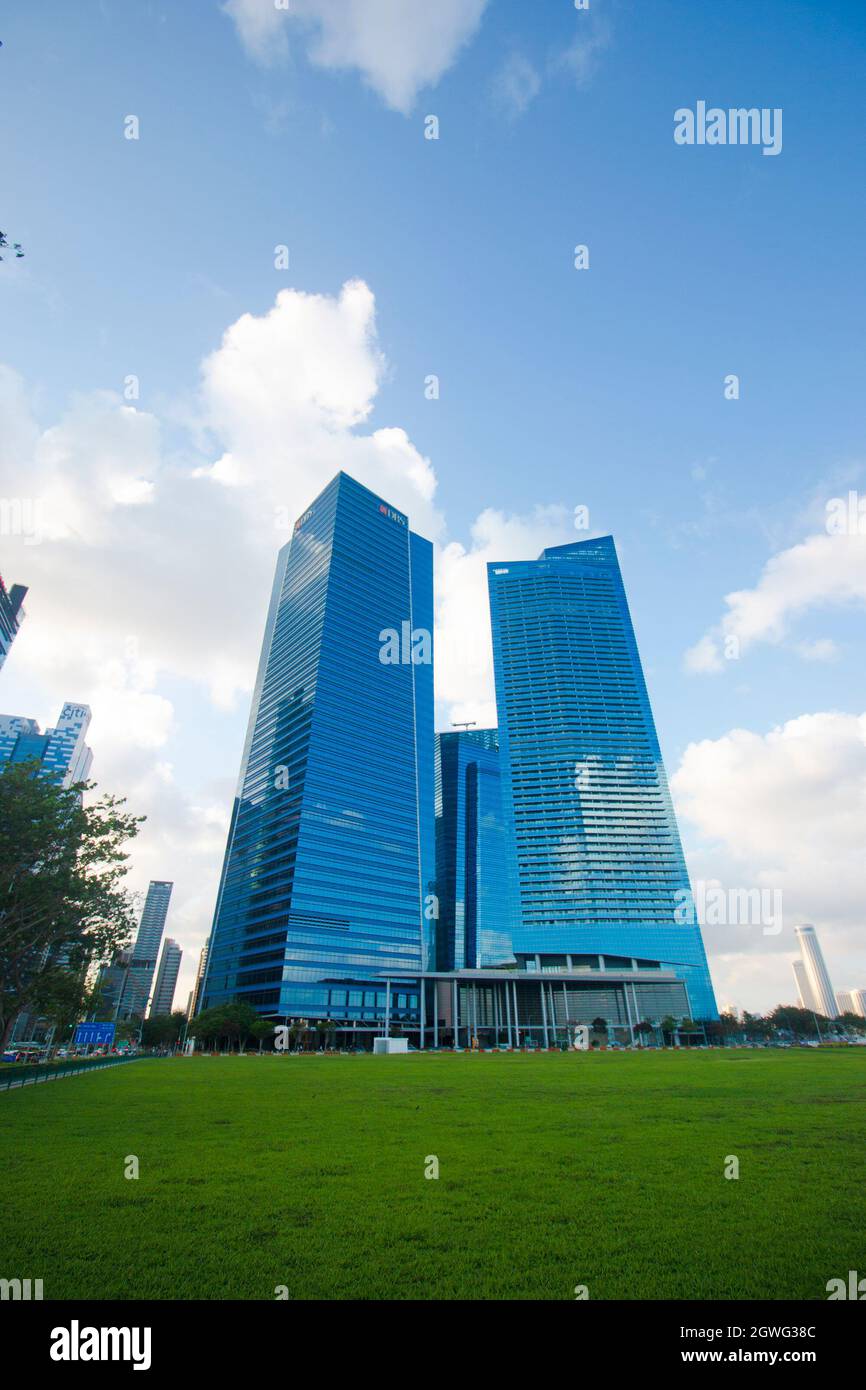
558, 387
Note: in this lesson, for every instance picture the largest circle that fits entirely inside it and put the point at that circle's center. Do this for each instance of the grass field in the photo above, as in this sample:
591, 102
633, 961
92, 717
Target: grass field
555, 1170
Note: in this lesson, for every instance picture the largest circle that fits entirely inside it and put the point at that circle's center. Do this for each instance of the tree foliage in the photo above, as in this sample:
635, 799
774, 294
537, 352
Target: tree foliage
226, 1023
62, 900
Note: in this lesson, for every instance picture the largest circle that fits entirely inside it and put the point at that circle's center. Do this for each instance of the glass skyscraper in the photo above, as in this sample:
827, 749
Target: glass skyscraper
62, 752
474, 877
136, 973
820, 990
166, 978
329, 871
602, 877
11, 615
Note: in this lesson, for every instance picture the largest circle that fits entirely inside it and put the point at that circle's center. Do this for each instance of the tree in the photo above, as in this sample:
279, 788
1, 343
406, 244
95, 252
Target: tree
687, 1027
262, 1029
240, 1019
599, 1025
669, 1026
163, 1029
642, 1028
62, 866
227, 1023
786, 1018
61, 997
125, 1029
326, 1028
16, 246
206, 1025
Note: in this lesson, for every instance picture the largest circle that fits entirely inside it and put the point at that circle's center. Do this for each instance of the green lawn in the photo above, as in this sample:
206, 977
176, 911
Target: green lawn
555, 1170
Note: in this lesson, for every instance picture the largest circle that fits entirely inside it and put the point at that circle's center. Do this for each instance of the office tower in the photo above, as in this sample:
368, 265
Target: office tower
137, 988
820, 989
329, 872
11, 615
852, 1001
602, 878
62, 751
474, 884
111, 983
803, 988
166, 978
192, 1006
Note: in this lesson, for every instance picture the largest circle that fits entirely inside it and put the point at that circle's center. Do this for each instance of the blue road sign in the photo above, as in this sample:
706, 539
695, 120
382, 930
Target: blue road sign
97, 1034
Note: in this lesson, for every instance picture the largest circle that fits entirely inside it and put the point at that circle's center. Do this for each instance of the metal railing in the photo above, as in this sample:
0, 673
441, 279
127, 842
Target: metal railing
33, 1074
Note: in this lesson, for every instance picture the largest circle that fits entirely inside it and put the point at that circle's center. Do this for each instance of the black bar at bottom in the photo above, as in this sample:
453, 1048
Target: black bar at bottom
642, 1337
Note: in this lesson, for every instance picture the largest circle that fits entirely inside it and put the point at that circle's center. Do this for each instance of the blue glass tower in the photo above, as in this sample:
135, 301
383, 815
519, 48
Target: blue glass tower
62, 752
329, 872
602, 876
475, 883
11, 615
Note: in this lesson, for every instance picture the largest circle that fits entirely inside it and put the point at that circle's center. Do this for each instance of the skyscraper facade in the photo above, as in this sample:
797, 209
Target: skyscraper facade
474, 880
803, 988
62, 752
195, 992
166, 978
820, 989
329, 871
11, 615
139, 980
602, 877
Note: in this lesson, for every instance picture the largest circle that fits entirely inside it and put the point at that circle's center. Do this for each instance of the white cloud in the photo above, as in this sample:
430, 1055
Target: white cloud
822, 570
581, 58
783, 810
704, 656
822, 649
517, 84
398, 46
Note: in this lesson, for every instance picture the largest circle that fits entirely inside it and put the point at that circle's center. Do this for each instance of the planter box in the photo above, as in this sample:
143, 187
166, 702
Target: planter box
384, 1046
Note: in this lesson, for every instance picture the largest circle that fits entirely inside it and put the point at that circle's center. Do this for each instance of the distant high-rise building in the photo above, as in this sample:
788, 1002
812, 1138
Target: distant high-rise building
603, 882
820, 989
192, 1006
474, 881
330, 860
62, 751
166, 978
852, 1001
145, 953
11, 615
111, 983
803, 987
